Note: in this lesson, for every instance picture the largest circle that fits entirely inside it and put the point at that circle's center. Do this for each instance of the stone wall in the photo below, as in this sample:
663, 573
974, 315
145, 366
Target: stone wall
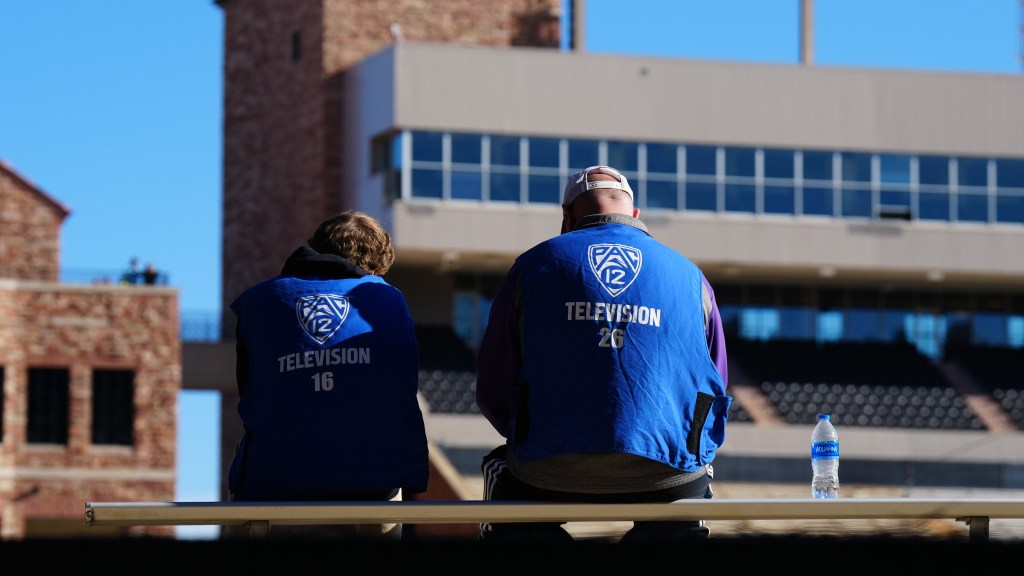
29, 229
83, 328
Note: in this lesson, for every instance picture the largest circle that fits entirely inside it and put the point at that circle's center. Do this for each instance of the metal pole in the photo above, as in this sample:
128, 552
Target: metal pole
807, 32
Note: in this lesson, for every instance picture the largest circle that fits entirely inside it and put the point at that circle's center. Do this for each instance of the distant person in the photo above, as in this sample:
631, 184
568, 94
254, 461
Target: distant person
150, 275
131, 274
603, 365
327, 372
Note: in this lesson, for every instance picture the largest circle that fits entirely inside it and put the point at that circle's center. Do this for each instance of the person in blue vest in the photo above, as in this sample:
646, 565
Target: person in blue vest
603, 365
327, 372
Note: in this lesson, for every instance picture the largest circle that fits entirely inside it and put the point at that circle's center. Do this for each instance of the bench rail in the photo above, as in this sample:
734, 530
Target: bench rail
975, 512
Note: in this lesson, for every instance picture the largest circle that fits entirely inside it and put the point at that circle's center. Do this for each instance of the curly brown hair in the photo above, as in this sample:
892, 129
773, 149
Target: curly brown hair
358, 237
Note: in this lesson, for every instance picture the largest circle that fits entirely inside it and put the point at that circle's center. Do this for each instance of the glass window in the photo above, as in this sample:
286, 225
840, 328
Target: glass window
427, 183
394, 158
740, 162
895, 199
662, 158
927, 332
971, 207
466, 148
861, 325
700, 160
830, 326
817, 165
972, 171
796, 323
427, 146
545, 189
504, 187
505, 150
856, 201
856, 167
471, 310
544, 152
1014, 332
759, 323
818, 201
779, 200
740, 198
989, 329
958, 328
397, 145
48, 405
1010, 207
933, 206
467, 185
584, 153
893, 327
701, 196
466, 321
662, 194
113, 407
933, 170
895, 168
1010, 173
623, 156
778, 164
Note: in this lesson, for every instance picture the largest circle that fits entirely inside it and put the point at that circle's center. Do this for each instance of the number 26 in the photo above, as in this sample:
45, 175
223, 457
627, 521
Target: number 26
611, 338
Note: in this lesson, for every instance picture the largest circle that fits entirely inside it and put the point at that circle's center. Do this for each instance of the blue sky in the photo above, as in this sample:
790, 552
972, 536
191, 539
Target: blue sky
114, 109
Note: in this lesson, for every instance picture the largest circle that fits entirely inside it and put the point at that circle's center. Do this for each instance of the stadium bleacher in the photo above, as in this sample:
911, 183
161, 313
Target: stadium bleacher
996, 370
447, 371
867, 384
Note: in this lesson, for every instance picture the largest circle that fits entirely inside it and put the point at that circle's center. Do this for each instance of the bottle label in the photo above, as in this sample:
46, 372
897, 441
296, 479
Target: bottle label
825, 450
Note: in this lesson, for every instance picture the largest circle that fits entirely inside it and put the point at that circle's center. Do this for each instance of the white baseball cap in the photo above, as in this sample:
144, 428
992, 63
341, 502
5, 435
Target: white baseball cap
580, 182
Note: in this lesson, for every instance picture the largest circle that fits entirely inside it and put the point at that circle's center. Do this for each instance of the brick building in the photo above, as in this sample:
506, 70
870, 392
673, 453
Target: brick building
89, 380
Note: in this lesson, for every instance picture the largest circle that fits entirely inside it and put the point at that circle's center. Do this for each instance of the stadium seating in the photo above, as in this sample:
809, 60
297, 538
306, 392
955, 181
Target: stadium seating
861, 383
447, 371
932, 407
870, 384
997, 370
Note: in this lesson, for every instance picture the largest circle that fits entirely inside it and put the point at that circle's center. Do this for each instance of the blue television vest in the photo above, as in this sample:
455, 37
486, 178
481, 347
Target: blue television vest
329, 405
615, 356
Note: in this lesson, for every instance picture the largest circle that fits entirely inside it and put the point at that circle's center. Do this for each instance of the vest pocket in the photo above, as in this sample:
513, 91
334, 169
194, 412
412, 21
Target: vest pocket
708, 431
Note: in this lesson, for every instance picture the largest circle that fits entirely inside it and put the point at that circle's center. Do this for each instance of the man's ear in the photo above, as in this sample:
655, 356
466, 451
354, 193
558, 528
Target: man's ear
566, 226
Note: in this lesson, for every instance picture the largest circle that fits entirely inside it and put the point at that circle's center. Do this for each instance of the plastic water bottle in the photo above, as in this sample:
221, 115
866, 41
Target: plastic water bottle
824, 459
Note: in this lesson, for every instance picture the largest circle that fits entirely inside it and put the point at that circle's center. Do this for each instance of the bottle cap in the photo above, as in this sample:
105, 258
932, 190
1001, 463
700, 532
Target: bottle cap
824, 417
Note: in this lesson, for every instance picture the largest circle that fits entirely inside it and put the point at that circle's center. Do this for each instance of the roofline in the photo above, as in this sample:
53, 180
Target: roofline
56, 204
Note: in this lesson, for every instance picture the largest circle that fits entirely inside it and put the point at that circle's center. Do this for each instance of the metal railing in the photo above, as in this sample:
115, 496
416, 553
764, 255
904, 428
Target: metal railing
196, 325
200, 325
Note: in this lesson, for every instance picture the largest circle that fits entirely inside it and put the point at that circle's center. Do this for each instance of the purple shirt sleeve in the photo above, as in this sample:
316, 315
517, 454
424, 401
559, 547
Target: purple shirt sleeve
716, 336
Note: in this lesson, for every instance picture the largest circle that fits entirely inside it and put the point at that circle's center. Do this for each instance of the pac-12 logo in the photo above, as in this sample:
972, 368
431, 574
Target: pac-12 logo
321, 315
615, 265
